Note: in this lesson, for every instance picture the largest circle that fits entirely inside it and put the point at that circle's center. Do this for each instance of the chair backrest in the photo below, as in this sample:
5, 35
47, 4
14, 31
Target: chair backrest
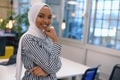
90, 73
115, 75
2, 46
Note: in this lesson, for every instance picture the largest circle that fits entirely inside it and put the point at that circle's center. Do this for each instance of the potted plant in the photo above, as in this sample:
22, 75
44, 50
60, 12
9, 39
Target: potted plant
20, 21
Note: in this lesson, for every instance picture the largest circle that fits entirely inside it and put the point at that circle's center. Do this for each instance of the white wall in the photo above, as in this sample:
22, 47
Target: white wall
107, 58
73, 53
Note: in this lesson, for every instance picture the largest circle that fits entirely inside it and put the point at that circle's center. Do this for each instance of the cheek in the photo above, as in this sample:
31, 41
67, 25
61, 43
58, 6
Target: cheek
38, 21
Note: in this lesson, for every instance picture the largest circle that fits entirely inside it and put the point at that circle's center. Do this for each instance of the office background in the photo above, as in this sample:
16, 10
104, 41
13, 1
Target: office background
92, 32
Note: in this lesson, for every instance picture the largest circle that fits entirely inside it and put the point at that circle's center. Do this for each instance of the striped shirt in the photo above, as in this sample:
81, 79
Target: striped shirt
37, 52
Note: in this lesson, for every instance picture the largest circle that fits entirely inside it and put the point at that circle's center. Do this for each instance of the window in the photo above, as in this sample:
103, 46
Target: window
24, 6
104, 28
74, 14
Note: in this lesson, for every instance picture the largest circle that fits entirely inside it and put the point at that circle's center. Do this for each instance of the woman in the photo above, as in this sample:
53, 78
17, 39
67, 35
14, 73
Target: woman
39, 49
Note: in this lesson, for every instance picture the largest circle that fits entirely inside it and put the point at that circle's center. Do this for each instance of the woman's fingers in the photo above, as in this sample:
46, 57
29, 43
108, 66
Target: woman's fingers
37, 71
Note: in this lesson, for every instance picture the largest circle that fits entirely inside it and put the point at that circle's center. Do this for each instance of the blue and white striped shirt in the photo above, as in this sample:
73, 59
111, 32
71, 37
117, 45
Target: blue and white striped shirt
37, 52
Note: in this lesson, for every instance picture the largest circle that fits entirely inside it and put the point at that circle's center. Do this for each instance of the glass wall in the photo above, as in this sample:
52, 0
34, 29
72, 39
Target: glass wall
104, 20
74, 13
104, 28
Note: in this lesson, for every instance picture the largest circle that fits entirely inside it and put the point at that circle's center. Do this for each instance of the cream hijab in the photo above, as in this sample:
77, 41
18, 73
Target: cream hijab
33, 30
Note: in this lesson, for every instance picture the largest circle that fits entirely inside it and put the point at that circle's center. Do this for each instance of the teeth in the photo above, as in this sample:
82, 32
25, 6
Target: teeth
44, 25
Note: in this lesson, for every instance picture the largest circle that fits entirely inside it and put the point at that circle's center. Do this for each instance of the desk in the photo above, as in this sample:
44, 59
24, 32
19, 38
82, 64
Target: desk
69, 69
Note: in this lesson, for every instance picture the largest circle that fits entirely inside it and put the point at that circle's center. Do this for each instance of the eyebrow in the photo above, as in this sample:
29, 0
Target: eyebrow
43, 14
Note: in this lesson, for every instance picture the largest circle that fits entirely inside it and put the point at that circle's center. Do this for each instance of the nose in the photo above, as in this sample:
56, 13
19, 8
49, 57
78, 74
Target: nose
46, 20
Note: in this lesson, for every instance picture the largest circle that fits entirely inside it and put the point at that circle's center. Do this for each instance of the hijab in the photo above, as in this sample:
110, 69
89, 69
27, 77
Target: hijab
33, 30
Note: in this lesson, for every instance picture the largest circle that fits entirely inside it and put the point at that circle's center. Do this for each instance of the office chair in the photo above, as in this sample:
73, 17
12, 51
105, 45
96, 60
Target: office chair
115, 75
90, 73
2, 46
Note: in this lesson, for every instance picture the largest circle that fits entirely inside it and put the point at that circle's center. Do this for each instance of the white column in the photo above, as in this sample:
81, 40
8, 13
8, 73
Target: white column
16, 7
35, 1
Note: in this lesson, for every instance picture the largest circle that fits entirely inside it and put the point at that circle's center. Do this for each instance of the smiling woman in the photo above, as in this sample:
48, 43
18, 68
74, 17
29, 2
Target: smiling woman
39, 51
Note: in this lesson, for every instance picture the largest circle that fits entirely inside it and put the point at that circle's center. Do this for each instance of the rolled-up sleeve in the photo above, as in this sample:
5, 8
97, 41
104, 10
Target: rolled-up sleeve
47, 59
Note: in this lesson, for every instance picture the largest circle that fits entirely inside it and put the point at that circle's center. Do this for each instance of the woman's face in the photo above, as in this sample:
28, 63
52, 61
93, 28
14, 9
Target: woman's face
43, 19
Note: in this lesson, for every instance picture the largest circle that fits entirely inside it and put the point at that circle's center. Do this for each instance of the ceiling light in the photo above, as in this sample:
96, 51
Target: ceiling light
72, 2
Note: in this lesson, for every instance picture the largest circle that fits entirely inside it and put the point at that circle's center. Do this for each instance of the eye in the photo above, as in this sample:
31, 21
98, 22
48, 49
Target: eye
49, 17
41, 16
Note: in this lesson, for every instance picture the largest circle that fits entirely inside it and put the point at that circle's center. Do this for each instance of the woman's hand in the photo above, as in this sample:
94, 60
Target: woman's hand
37, 71
51, 33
